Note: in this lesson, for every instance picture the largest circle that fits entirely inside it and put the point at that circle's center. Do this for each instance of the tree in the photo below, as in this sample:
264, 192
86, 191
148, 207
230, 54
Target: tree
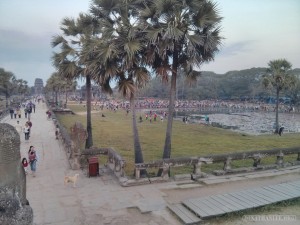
53, 85
117, 53
294, 92
7, 80
181, 35
279, 78
70, 61
22, 87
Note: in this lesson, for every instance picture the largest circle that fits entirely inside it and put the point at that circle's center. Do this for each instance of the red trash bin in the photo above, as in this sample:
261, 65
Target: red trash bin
93, 166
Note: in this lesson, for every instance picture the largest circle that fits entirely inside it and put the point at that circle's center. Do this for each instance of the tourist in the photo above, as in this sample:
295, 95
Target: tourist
280, 132
25, 165
32, 156
48, 114
15, 113
30, 125
29, 110
161, 118
19, 112
25, 112
11, 112
18, 127
206, 119
56, 131
26, 131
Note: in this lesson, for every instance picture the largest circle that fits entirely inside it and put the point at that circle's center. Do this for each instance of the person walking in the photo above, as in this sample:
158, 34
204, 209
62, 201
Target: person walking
32, 156
11, 112
26, 131
30, 125
25, 112
29, 110
56, 131
19, 112
15, 113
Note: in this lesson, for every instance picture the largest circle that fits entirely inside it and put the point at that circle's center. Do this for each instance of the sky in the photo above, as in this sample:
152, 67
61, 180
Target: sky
254, 31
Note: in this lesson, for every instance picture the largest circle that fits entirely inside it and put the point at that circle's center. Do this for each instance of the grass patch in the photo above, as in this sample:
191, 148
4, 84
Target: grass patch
115, 130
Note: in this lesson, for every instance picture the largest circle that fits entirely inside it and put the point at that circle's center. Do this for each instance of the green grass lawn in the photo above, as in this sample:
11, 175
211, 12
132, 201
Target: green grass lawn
115, 130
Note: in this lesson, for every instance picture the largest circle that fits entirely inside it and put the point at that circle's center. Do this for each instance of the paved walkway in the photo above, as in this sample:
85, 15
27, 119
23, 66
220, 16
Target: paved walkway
102, 200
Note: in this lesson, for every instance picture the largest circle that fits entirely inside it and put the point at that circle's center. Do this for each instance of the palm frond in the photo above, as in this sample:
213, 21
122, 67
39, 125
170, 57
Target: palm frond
56, 40
126, 88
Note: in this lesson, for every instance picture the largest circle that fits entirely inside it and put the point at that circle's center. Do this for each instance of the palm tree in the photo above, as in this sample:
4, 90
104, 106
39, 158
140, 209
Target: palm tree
22, 86
70, 62
68, 85
53, 85
128, 88
181, 35
278, 77
118, 54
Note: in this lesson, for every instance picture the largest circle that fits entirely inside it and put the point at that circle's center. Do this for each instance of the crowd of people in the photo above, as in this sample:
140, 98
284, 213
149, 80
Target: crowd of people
22, 113
152, 103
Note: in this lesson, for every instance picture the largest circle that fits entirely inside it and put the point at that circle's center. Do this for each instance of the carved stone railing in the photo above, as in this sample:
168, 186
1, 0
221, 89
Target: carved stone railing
227, 159
257, 157
166, 164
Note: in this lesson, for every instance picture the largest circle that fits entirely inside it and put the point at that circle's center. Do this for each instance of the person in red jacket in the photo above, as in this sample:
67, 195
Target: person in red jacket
25, 165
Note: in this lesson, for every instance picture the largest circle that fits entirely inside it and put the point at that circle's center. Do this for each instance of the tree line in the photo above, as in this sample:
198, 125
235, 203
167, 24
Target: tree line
233, 85
10, 85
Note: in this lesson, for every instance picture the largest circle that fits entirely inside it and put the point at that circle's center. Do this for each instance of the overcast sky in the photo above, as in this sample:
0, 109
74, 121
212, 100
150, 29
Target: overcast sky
255, 31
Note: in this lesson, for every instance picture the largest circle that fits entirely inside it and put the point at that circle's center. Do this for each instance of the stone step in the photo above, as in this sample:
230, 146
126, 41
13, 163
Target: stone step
184, 214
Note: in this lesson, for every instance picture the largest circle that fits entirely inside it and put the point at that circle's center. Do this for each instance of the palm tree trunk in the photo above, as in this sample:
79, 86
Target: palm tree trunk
168, 141
277, 108
89, 140
66, 102
138, 154
167, 147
